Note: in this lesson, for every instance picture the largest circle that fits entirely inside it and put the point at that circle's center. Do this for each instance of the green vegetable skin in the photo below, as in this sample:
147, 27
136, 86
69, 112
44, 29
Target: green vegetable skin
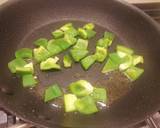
29, 80
99, 94
89, 26
41, 42
133, 73
81, 88
18, 62
70, 39
81, 44
26, 69
57, 33
86, 34
126, 50
52, 92
86, 105
67, 61
101, 54
24, 53
69, 102
88, 61
49, 64
41, 54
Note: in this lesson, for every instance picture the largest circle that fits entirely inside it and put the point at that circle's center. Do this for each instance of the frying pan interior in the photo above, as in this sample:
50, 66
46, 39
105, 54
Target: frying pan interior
23, 21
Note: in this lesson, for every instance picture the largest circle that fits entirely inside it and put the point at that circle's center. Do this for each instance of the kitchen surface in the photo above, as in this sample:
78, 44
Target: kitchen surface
152, 8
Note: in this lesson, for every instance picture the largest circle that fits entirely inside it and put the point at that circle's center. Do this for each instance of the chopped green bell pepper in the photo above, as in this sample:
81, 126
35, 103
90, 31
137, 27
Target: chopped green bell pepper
49, 64
71, 31
81, 88
77, 54
62, 43
88, 61
110, 66
67, 61
26, 69
41, 42
40, 54
109, 37
101, 54
58, 33
90, 34
24, 53
133, 73
52, 92
70, 39
29, 80
86, 105
66, 26
121, 48
99, 94
137, 59
127, 62
82, 33
69, 102
81, 44
89, 26
18, 62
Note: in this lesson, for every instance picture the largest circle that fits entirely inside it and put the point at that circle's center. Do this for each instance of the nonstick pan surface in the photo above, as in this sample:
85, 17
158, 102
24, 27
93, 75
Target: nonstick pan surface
23, 21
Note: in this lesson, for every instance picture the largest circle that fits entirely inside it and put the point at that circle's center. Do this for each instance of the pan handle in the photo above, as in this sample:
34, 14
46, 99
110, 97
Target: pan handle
152, 122
21, 125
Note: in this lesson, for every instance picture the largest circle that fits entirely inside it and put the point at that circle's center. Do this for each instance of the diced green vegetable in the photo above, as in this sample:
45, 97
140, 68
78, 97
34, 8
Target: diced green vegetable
99, 94
49, 64
62, 43
67, 61
110, 37
121, 48
70, 39
40, 54
77, 54
89, 26
101, 54
88, 61
24, 53
81, 44
81, 88
128, 62
86, 105
90, 34
52, 92
133, 73
102, 43
110, 66
69, 102
66, 26
18, 62
71, 31
29, 80
58, 33
53, 48
116, 58
137, 59
41, 42
26, 69
82, 33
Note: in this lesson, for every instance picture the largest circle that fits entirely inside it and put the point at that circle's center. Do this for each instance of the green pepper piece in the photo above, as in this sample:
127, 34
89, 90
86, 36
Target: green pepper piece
101, 54
53, 48
90, 34
70, 39
133, 73
102, 43
110, 66
69, 102
127, 62
81, 88
137, 59
82, 33
29, 80
110, 37
24, 53
116, 58
26, 69
88, 61
52, 92
67, 61
57, 33
89, 26
81, 44
62, 43
18, 62
99, 94
40, 54
71, 31
49, 64
86, 105
66, 26
41, 42
126, 50
77, 54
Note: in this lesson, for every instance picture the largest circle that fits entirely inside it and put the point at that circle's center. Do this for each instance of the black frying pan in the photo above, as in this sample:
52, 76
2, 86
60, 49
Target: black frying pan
23, 21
